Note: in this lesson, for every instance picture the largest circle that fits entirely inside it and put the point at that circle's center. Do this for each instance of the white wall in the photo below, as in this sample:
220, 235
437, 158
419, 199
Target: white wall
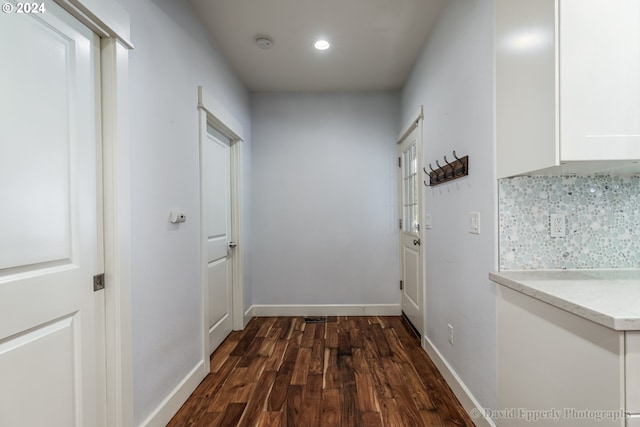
453, 78
172, 57
324, 212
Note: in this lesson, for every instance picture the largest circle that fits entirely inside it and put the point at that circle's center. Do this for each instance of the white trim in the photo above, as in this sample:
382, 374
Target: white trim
415, 125
111, 22
462, 392
248, 315
237, 231
212, 113
117, 230
411, 126
219, 116
174, 401
326, 310
105, 18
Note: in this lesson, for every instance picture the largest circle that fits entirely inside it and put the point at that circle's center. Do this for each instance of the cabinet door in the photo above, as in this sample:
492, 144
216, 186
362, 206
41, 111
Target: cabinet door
599, 79
526, 121
632, 372
633, 421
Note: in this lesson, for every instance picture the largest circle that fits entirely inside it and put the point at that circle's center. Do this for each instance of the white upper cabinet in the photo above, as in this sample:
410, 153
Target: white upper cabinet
567, 84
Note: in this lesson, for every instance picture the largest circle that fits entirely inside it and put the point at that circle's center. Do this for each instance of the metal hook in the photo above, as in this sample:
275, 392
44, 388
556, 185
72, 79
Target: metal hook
462, 168
444, 172
434, 172
453, 169
428, 174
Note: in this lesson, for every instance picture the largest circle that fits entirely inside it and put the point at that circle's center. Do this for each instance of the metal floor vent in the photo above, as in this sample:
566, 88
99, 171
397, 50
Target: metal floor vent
316, 319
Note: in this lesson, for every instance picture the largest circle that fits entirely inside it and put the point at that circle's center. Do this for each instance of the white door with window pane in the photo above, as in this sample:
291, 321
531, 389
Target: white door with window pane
49, 227
410, 235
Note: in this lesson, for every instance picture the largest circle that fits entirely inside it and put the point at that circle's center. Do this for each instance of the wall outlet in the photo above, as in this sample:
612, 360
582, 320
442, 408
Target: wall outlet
450, 333
557, 225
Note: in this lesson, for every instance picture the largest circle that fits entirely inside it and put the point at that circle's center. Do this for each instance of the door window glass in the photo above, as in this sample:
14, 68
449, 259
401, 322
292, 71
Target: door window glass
410, 190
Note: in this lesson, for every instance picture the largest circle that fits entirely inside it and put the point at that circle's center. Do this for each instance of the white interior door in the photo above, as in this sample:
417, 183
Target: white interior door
217, 201
48, 219
410, 240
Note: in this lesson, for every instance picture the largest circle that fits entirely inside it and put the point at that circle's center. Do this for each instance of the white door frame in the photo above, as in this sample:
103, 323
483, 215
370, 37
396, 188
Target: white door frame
211, 113
416, 123
111, 22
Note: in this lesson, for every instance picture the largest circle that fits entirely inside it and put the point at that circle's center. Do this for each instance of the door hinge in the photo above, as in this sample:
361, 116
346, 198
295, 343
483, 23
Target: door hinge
399, 162
400, 223
417, 227
98, 282
401, 285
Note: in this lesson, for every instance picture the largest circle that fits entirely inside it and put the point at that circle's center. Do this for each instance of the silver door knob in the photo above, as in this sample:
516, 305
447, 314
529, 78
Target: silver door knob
232, 245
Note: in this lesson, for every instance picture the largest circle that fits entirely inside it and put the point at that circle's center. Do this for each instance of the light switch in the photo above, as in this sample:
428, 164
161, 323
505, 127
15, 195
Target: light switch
474, 222
427, 221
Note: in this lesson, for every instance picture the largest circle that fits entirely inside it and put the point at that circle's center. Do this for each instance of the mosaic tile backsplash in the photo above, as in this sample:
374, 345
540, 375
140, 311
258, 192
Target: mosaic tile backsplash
602, 222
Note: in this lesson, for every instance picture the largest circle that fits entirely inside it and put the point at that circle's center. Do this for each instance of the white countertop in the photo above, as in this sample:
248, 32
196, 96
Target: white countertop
608, 297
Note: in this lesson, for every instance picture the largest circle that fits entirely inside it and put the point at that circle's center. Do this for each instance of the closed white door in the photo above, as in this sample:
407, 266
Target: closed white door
410, 241
48, 219
216, 164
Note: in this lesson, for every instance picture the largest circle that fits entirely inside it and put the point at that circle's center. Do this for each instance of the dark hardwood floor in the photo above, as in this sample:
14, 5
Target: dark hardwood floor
349, 371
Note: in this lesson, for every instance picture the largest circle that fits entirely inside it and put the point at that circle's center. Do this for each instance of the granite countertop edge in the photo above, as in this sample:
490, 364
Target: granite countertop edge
610, 298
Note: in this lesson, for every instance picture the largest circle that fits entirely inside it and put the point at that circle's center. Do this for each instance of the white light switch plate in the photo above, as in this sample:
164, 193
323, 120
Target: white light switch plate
474, 222
427, 221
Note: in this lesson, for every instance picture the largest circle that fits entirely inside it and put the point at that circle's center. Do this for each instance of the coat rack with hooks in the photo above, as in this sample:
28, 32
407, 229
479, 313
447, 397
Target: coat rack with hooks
447, 172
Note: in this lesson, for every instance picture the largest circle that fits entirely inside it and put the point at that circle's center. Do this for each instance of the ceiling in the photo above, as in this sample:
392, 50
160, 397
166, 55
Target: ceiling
374, 43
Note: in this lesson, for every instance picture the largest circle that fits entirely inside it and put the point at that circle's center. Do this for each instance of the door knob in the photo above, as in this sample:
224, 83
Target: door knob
416, 242
232, 245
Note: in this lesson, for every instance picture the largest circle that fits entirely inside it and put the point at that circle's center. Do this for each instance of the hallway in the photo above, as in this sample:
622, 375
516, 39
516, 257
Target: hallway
349, 371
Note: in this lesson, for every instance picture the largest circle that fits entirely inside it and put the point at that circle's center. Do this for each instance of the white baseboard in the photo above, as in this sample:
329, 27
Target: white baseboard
468, 401
174, 401
327, 310
247, 316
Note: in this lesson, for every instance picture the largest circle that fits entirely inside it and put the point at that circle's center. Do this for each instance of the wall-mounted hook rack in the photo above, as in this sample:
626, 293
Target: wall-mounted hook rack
448, 172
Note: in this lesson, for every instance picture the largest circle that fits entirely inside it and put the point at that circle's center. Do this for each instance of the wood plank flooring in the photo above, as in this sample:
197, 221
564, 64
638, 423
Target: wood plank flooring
349, 371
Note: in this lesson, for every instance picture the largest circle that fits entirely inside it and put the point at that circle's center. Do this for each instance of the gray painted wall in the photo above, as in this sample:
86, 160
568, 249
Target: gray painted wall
324, 209
172, 57
453, 79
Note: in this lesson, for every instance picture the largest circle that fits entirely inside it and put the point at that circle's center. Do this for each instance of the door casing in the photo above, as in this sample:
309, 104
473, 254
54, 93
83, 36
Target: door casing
214, 115
415, 124
111, 23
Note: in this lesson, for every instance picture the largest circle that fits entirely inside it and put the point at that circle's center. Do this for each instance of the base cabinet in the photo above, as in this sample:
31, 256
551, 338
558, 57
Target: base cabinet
633, 421
555, 368
632, 371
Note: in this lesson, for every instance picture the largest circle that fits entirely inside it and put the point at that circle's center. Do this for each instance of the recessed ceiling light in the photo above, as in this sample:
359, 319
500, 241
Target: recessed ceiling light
321, 45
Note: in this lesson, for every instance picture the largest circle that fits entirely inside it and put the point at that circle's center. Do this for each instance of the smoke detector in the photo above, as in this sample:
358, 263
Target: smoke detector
264, 42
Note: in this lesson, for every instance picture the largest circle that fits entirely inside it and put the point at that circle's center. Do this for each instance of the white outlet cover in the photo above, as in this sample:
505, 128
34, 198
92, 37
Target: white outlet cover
557, 225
